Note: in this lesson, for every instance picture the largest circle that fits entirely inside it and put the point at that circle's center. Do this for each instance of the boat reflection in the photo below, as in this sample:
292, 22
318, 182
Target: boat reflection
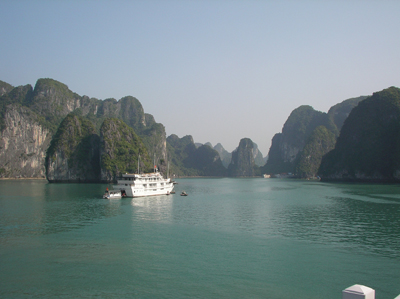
153, 208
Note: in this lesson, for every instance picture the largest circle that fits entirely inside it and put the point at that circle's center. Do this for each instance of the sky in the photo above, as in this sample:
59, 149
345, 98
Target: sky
217, 70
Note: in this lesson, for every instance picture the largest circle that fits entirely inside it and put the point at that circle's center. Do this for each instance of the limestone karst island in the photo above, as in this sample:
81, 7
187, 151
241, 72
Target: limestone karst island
48, 131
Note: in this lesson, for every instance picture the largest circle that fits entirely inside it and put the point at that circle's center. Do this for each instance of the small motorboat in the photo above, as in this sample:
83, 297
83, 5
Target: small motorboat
184, 193
112, 194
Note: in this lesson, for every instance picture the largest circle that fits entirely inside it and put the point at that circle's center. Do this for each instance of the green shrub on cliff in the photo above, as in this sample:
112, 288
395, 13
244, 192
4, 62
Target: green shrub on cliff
77, 143
320, 142
287, 146
20, 95
121, 147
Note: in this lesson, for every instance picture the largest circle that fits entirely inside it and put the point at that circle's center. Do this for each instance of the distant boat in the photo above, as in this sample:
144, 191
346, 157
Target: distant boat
184, 193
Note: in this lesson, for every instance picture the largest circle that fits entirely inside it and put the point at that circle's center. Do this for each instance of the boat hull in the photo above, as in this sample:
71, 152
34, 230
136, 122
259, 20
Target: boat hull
132, 191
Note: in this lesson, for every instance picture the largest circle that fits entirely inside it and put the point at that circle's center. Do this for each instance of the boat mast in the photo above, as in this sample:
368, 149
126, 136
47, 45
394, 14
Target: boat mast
138, 164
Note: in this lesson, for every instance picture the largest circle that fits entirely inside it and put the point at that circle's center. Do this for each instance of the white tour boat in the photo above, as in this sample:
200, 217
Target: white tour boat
146, 184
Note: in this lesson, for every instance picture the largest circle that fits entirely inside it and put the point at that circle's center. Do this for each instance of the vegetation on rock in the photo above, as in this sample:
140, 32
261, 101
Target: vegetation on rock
74, 151
286, 148
226, 157
369, 143
5, 88
52, 110
339, 112
188, 160
51, 101
319, 143
242, 164
306, 136
120, 149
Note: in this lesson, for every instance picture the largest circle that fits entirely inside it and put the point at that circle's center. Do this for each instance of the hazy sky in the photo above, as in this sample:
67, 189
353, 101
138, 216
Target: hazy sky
217, 70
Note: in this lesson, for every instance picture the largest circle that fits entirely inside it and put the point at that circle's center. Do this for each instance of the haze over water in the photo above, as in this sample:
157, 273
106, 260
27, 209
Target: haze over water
230, 238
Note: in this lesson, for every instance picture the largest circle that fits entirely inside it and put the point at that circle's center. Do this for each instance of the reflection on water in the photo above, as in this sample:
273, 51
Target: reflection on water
154, 208
34, 207
364, 217
230, 238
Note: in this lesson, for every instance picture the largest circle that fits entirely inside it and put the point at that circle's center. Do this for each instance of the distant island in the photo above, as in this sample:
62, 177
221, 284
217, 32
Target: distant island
51, 132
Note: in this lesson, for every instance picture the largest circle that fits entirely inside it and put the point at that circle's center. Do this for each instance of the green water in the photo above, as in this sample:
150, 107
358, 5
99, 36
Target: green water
230, 238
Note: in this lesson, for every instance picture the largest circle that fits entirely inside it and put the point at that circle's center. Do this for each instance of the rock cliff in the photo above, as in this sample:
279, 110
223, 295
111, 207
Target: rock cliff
189, 160
120, 150
242, 164
226, 157
73, 155
23, 143
369, 143
257, 155
339, 112
44, 108
295, 133
306, 136
54, 100
320, 142
5, 88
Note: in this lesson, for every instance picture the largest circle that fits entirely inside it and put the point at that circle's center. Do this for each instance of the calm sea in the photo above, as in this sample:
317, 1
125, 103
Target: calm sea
230, 238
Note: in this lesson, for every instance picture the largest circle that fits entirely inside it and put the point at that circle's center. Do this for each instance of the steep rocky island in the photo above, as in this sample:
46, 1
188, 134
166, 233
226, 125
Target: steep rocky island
33, 118
243, 160
189, 160
73, 155
368, 148
306, 137
51, 132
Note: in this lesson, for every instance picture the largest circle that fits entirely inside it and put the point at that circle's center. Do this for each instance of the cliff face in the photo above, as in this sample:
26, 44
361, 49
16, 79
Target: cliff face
189, 160
306, 136
120, 149
78, 154
295, 133
48, 104
369, 143
275, 163
23, 144
242, 164
5, 88
226, 157
53, 100
155, 140
73, 155
257, 155
339, 112
319, 143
